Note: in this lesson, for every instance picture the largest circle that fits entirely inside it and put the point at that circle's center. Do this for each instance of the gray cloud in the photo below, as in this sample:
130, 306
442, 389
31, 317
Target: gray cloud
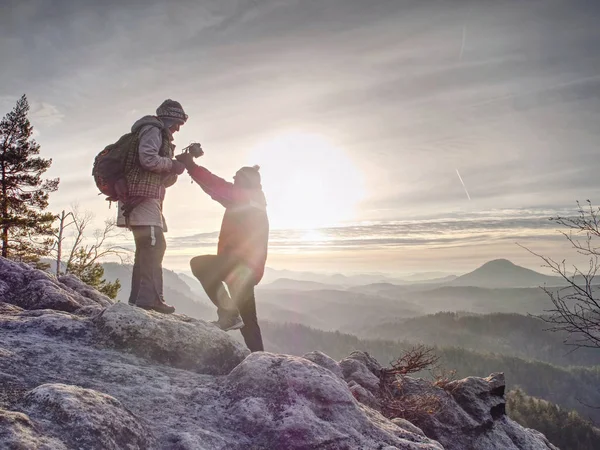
514, 107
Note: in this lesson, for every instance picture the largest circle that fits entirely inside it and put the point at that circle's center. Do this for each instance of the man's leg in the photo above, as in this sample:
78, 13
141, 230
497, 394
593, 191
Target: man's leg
251, 330
211, 271
241, 287
161, 248
150, 242
135, 274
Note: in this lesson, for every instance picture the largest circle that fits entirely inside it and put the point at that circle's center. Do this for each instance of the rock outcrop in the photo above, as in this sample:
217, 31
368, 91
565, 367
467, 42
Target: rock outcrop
472, 415
465, 414
28, 288
78, 371
176, 340
84, 418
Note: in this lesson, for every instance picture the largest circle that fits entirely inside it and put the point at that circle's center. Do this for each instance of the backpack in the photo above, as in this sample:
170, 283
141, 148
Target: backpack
109, 167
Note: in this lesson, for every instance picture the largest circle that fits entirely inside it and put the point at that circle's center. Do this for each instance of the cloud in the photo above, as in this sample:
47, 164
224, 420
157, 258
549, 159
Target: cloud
384, 81
458, 230
45, 114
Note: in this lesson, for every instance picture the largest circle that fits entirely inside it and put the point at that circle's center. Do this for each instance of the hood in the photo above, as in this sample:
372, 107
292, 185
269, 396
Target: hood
148, 120
257, 198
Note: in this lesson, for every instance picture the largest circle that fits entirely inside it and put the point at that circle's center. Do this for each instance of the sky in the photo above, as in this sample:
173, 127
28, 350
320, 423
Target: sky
393, 136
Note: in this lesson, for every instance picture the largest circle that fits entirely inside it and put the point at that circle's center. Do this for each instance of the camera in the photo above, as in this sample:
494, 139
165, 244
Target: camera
194, 149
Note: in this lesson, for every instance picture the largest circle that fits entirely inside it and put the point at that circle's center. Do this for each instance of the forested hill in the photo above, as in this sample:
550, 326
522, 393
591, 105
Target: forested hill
509, 334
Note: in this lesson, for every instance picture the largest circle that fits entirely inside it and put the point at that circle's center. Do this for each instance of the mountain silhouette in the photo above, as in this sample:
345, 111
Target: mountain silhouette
503, 273
299, 285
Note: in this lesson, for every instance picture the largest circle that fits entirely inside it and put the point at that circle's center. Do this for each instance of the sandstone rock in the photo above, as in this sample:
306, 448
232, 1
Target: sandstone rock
17, 431
83, 418
30, 288
178, 341
289, 402
323, 360
471, 415
363, 369
48, 322
403, 423
480, 397
363, 396
7, 308
85, 291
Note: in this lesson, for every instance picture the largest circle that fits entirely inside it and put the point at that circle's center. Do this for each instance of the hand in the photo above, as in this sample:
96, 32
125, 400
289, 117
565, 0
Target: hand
177, 167
186, 159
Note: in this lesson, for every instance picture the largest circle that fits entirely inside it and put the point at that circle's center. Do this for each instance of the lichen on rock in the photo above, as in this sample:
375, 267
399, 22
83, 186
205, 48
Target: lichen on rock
78, 371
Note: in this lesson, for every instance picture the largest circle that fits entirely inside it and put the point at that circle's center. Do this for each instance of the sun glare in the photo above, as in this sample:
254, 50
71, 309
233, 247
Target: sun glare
313, 235
309, 183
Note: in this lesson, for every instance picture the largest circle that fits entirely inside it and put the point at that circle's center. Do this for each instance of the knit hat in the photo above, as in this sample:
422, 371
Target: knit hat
249, 176
171, 109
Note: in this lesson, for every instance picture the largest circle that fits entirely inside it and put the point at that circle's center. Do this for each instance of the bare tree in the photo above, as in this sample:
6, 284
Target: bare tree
413, 360
65, 220
576, 307
86, 253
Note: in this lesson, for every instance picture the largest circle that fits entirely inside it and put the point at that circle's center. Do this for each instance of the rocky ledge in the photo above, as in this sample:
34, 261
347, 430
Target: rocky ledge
80, 372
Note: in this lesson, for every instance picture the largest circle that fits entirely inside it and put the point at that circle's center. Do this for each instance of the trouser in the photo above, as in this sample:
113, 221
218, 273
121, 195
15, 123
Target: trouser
147, 276
214, 270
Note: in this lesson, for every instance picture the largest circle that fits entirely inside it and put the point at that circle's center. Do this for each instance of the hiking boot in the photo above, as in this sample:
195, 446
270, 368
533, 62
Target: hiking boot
162, 300
229, 323
159, 307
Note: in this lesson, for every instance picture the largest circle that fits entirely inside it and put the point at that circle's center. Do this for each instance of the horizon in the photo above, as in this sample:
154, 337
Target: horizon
393, 137
270, 272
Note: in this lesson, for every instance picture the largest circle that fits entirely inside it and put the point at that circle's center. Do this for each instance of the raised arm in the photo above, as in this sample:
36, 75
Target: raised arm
220, 190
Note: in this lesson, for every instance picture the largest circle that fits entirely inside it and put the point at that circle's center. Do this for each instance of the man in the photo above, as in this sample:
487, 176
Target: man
149, 171
242, 249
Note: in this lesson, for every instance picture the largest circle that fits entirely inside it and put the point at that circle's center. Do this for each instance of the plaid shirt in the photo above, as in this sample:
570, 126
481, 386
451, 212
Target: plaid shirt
143, 183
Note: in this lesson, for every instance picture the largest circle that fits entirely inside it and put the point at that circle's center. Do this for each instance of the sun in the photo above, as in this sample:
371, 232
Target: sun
309, 182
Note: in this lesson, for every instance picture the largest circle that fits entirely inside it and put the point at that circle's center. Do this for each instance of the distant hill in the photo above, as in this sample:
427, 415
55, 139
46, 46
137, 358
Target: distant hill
330, 309
192, 283
427, 277
299, 285
483, 300
337, 279
435, 298
509, 334
503, 273
445, 279
384, 289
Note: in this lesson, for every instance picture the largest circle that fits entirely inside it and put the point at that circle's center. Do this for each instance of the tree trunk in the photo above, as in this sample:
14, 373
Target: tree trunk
5, 242
4, 211
61, 228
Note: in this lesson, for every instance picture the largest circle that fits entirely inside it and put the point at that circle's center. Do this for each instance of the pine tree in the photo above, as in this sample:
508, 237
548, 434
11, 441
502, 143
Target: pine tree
25, 227
565, 429
84, 266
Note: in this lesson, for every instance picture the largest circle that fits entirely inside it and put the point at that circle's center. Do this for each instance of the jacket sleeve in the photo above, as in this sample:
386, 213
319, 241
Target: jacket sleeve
150, 143
169, 179
219, 190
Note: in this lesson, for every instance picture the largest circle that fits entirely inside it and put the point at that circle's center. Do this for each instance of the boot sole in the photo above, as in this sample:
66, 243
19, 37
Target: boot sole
150, 308
237, 326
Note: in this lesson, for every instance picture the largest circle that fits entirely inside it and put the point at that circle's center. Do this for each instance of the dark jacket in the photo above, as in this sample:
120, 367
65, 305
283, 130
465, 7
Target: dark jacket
149, 169
245, 227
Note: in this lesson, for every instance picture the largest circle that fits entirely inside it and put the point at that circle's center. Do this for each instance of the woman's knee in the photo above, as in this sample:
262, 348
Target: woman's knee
197, 264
